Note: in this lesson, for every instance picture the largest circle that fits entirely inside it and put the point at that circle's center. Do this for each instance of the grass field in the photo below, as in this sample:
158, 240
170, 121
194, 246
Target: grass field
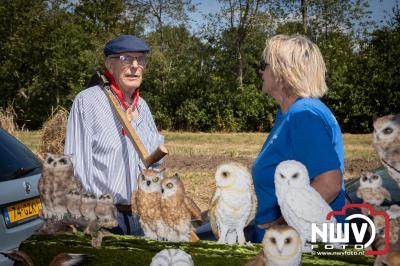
195, 156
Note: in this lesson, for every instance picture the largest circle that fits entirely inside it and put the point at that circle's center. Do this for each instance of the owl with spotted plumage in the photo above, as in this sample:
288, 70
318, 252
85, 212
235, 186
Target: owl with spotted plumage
146, 203
386, 140
106, 211
371, 190
282, 246
177, 210
56, 181
233, 204
74, 198
300, 204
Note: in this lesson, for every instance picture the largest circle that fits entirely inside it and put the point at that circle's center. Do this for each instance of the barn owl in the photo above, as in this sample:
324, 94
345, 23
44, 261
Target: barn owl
177, 209
301, 205
233, 204
106, 211
168, 257
282, 246
74, 203
371, 189
56, 181
386, 141
146, 202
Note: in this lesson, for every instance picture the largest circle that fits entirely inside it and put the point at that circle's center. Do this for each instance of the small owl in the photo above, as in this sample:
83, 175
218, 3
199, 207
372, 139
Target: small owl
74, 203
301, 205
394, 229
88, 206
56, 181
106, 211
371, 189
146, 202
386, 141
281, 246
177, 209
168, 257
233, 204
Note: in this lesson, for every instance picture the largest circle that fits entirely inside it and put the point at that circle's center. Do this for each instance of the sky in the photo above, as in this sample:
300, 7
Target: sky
378, 8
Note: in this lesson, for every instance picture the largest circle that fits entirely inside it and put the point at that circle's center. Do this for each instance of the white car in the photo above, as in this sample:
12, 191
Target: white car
20, 170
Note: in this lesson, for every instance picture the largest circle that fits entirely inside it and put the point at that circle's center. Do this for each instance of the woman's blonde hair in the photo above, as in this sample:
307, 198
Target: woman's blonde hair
297, 63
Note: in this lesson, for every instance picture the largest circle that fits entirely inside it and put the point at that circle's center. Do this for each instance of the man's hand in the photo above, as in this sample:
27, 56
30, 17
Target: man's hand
278, 221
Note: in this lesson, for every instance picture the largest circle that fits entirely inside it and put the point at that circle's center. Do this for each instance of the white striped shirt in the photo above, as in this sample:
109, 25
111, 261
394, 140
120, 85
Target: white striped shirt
104, 159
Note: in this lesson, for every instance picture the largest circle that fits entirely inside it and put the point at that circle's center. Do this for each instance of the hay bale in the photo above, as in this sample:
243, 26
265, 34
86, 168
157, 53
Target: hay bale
7, 120
53, 133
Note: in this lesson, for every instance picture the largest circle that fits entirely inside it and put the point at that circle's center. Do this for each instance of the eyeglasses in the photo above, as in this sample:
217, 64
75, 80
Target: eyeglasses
262, 67
128, 60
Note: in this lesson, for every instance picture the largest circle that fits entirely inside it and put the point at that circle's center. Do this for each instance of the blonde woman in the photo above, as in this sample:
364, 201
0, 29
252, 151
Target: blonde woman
293, 73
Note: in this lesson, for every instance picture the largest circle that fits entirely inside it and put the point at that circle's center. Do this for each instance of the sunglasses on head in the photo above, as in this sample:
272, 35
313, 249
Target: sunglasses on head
262, 67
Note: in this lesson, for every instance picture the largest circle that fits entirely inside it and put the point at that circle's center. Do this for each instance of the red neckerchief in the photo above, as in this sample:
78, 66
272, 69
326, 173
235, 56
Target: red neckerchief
120, 95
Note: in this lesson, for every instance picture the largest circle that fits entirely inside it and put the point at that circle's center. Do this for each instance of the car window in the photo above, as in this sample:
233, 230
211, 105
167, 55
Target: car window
16, 160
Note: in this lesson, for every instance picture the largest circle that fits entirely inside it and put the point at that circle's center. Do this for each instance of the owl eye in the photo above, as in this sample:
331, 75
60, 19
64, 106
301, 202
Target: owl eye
388, 131
50, 160
282, 176
273, 240
143, 177
296, 175
155, 179
63, 161
364, 178
225, 174
288, 240
92, 196
170, 185
374, 177
108, 197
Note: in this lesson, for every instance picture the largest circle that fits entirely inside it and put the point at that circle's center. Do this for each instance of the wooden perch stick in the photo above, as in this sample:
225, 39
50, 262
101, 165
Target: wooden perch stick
147, 159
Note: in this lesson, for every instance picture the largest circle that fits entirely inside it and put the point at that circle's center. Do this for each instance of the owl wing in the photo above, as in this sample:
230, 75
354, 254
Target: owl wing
385, 193
253, 206
133, 202
193, 208
212, 212
307, 204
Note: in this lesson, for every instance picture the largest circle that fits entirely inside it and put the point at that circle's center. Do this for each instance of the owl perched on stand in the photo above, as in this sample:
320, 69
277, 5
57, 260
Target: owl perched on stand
282, 246
106, 211
233, 204
56, 181
300, 203
371, 190
177, 209
146, 202
386, 141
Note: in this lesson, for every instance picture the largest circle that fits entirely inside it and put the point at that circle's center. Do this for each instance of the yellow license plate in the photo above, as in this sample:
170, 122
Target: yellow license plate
22, 210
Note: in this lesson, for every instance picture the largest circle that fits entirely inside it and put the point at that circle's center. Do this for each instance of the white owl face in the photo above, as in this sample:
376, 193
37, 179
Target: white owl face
291, 174
57, 161
281, 242
74, 194
106, 198
232, 175
170, 187
88, 197
150, 182
370, 180
386, 129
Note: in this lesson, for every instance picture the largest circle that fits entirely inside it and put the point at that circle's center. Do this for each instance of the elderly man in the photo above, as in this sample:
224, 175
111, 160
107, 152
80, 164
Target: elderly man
104, 158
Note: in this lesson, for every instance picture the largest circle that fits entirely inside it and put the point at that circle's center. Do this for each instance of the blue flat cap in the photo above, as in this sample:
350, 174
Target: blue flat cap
125, 43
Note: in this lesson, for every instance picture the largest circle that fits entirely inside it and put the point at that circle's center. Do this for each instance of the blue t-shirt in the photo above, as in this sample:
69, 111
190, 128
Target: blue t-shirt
309, 133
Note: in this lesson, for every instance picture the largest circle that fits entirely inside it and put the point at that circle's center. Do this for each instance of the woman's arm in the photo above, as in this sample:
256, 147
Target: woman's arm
328, 184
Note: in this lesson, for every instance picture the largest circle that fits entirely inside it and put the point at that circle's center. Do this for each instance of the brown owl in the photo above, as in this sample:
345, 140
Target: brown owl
106, 211
56, 181
379, 222
177, 209
371, 189
74, 203
146, 202
386, 141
